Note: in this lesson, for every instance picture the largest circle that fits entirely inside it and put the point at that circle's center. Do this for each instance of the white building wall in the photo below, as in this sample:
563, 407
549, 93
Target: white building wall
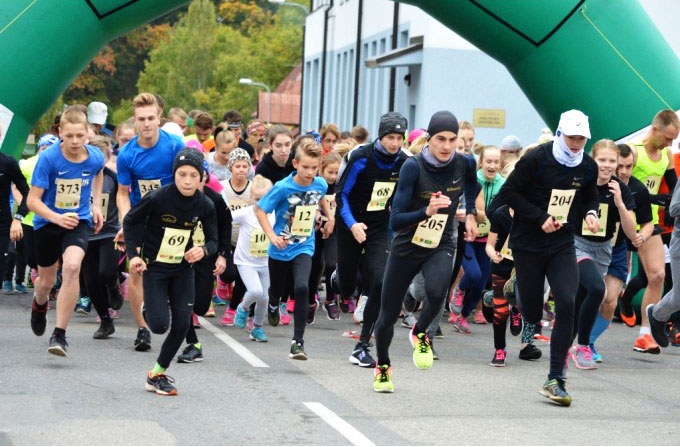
454, 75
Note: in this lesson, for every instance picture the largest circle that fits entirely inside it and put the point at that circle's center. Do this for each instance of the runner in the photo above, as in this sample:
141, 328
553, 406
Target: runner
158, 239
363, 195
653, 161
547, 189
594, 251
423, 211
144, 164
294, 200
66, 174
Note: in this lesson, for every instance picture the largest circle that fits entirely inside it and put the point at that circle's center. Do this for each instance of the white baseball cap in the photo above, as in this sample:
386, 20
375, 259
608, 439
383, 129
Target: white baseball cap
96, 113
574, 122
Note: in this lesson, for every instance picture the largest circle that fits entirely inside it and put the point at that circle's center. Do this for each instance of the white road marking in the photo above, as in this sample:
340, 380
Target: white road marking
234, 345
340, 425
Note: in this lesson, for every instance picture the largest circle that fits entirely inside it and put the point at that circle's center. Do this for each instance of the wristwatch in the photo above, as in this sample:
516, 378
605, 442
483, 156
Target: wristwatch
18, 217
473, 211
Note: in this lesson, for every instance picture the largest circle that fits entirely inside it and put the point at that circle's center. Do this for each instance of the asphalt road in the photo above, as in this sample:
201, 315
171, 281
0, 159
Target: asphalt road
248, 393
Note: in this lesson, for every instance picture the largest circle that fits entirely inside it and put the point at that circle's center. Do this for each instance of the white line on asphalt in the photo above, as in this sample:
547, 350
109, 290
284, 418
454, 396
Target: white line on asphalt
340, 425
234, 345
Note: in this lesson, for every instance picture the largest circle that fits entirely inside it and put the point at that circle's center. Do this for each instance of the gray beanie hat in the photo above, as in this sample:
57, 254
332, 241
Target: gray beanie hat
190, 157
511, 142
392, 122
238, 154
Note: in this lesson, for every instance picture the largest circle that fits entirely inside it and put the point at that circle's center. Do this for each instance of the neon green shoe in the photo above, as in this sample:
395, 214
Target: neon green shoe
422, 350
554, 390
383, 379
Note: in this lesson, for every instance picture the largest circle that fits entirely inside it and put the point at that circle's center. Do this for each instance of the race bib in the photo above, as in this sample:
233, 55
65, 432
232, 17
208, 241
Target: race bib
483, 228
199, 236
237, 204
68, 193
429, 232
173, 245
560, 203
303, 220
382, 191
146, 186
652, 183
104, 204
506, 252
602, 213
259, 243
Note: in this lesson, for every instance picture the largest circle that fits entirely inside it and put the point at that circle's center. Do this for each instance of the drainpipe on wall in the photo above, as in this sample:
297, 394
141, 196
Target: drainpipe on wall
357, 65
393, 70
322, 92
302, 77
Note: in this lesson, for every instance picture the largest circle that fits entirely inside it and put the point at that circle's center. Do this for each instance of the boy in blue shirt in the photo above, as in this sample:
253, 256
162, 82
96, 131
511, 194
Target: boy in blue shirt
66, 174
295, 201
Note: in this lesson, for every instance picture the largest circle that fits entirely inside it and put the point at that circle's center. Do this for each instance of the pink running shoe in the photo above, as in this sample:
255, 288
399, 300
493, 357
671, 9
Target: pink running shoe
290, 305
124, 287
249, 324
284, 315
228, 318
113, 313
351, 306
461, 325
456, 304
582, 357
479, 317
194, 320
221, 290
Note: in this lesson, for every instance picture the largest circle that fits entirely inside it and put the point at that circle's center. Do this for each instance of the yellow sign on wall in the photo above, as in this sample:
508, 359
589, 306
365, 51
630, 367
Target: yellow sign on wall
489, 118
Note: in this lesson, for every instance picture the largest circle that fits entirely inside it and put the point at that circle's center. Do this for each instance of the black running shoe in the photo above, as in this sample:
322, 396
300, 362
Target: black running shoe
515, 321
311, 313
38, 319
115, 298
105, 330
273, 315
161, 384
191, 354
530, 352
360, 356
657, 327
143, 341
58, 345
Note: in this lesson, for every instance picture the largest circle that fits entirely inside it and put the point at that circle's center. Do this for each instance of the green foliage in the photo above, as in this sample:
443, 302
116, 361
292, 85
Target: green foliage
201, 63
45, 122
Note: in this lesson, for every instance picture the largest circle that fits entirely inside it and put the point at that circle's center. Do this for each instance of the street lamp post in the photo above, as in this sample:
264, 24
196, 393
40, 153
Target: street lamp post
285, 3
248, 81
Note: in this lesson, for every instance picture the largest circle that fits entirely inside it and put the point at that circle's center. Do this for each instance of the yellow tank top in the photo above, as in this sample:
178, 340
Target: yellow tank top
650, 173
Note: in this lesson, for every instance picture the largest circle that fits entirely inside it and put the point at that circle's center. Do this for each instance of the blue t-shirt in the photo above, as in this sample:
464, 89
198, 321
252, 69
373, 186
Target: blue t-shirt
146, 169
282, 200
67, 185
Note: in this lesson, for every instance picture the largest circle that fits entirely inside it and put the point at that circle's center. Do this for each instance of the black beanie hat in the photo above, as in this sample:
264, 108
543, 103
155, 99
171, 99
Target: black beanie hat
442, 121
191, 157
392, 122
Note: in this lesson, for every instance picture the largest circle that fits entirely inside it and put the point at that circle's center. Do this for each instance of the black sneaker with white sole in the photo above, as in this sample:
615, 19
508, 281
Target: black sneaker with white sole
143, 341
58, 345
105, 330
191, 354
161, 384
38, 318
360, 356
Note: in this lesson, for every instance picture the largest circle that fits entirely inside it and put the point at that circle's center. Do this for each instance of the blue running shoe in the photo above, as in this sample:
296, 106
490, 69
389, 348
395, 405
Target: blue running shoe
84, 305
241, 317
20, 288
257, 334
597, 357
219, 301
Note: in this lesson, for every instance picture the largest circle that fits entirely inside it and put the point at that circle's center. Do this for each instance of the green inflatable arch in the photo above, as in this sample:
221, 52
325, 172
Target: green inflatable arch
606, 58
45, 44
